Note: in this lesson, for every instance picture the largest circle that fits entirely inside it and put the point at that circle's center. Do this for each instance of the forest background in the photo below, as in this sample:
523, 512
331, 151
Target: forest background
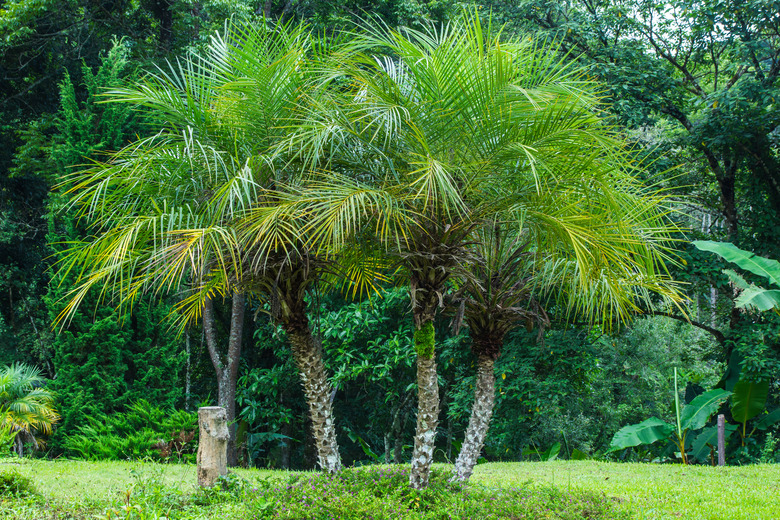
693, 85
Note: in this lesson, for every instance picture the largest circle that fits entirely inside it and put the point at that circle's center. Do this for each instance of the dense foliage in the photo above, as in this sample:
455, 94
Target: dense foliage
143, 432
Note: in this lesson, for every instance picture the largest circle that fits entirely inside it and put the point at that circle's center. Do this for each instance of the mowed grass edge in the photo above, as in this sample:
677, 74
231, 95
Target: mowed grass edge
656, 491
644, 491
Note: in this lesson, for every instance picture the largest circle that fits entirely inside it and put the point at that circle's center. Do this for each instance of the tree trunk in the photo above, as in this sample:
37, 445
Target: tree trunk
284, 452
762, 162
398, 449
388, 447
307, 353
227, 368
19, 445
396, 430
727, 177
427, 406
212, 445
481, 412
188, 371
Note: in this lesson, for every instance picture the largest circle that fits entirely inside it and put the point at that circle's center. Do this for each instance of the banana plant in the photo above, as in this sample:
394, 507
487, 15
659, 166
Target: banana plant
753, 296
747, 403
688, 418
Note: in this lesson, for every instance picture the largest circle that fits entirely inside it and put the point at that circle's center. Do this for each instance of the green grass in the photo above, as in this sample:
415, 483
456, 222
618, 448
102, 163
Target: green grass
652, 491
80, 490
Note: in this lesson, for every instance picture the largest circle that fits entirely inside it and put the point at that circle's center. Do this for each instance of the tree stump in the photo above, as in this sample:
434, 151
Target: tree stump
212, 446
721, 440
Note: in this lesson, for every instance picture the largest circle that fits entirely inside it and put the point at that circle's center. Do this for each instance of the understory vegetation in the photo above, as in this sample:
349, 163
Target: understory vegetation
553, 490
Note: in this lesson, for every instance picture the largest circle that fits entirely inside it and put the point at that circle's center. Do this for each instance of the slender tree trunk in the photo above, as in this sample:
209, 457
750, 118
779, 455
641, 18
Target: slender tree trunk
481, 413
388, 447
726, 178
307, 353
427, 405
11, 307
188, 371
227, 368
18, 445
396, 431
398, 449
284, 452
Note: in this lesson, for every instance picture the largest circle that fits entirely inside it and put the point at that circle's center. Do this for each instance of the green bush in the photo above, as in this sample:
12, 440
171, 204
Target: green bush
14, 484
383, 492
143, 431
376, 492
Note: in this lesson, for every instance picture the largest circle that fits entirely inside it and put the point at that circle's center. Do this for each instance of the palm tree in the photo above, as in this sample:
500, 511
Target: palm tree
504, 287
494, 298
168, 210
26, 407
451, 127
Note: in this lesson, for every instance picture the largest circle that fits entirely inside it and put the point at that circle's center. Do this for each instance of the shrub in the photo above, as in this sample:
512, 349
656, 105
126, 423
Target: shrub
369, 492
143, 431
382, 492
14, 484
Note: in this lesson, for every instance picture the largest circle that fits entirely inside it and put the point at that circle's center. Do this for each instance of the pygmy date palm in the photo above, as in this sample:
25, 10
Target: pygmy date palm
504, 287
26, 406
167, 211
452, 126
495, 296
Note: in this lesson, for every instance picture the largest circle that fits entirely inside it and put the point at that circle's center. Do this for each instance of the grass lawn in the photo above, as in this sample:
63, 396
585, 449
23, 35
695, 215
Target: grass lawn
652, 491
78, 489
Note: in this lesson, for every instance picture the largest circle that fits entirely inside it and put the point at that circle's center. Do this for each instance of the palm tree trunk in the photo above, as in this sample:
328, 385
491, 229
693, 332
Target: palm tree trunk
427, 405
481, 412
19, 445
227, 369
307, 353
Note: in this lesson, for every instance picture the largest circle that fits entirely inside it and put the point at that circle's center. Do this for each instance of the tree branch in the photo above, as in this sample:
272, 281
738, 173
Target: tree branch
715, 332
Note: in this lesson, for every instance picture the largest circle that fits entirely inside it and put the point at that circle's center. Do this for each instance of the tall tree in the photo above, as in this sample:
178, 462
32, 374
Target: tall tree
709, 68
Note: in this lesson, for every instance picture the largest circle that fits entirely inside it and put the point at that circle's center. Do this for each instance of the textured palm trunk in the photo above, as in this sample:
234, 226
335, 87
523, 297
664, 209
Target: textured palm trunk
481, 413
427, 406
227, 368
307, 353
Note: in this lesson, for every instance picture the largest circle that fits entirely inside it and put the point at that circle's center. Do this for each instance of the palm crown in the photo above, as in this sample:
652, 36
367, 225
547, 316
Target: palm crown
26, 406
444, 129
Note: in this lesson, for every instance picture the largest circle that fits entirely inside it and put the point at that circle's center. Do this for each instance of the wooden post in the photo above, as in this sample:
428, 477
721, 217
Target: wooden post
212, 445
721, 440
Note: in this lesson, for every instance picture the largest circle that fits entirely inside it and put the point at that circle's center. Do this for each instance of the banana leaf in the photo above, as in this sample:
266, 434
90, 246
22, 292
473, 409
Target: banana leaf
578, 454
758, 265
768, 420
696, 413
551, 453
733, 371
753, 296
646, 432
748, 400
706, 440
757, 298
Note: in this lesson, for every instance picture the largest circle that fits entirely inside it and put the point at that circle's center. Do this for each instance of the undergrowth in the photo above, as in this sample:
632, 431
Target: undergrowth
367, 493
14, 484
